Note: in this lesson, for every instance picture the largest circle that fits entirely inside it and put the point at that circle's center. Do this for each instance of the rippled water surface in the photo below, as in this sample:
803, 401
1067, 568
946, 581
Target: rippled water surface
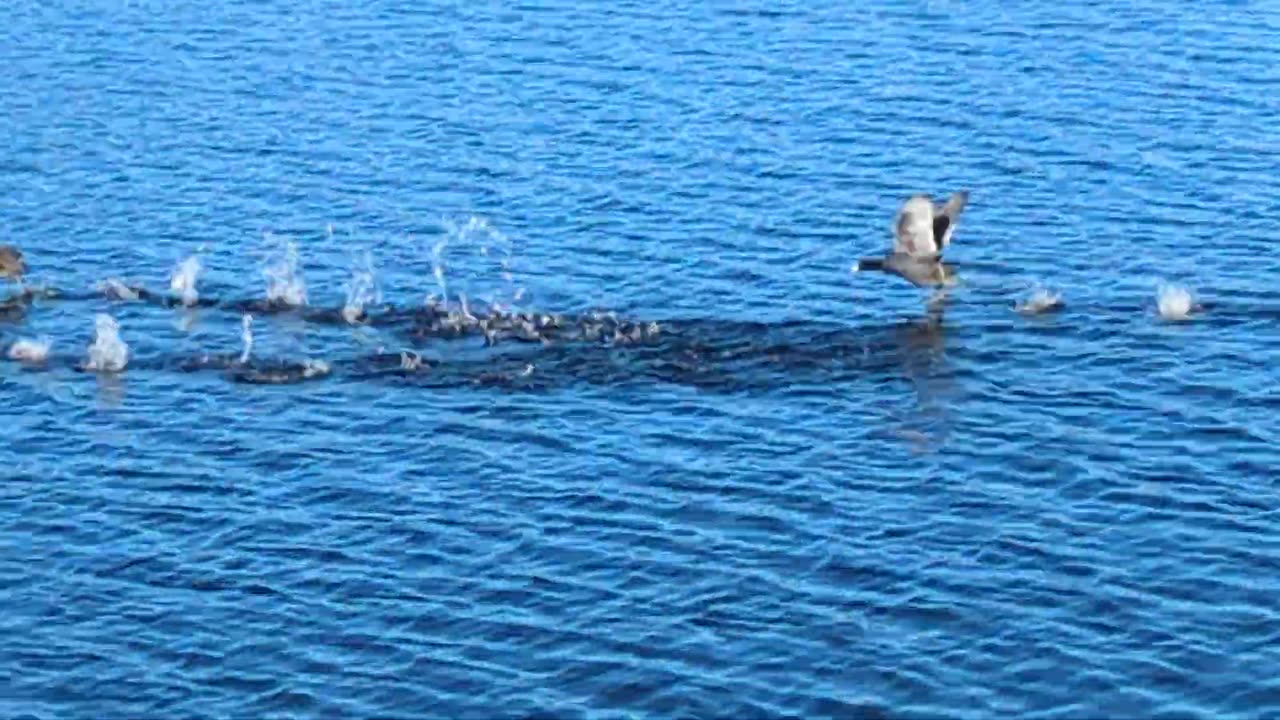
763, 486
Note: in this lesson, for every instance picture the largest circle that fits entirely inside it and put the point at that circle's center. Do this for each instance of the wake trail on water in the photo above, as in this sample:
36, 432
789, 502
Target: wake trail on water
591, 345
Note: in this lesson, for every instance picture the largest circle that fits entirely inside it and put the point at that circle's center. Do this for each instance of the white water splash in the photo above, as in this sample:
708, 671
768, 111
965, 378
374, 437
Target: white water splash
362, 288
115, 289
1041, 300
285, 284
108, 353
465, 257
246, 337
183, 280
312, 368
437, 266
30, 351
1175, 302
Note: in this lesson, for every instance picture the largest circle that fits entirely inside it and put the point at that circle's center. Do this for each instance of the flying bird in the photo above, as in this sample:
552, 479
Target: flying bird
922, 230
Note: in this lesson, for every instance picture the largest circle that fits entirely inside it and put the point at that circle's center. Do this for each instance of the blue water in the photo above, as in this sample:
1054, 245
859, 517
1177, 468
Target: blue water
801, 498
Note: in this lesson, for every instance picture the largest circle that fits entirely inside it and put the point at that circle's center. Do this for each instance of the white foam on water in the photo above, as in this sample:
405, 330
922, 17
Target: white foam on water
30, 350
285, 283
182, 282
108, 353
1175, 302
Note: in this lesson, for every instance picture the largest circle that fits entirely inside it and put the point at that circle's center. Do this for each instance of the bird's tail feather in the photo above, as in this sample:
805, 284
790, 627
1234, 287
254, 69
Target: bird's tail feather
870, 264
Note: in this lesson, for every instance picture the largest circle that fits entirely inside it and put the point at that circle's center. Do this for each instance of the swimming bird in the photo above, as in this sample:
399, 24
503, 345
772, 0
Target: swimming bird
12, 265
922, 230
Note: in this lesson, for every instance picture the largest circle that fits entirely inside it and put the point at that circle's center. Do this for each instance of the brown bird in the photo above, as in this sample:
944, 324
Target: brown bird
12, 266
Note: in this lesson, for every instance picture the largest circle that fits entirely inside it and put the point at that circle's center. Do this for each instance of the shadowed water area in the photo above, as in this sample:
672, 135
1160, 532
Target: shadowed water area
505, 361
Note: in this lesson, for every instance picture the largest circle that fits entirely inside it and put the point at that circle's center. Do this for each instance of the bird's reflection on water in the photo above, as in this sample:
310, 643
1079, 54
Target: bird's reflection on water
915, 352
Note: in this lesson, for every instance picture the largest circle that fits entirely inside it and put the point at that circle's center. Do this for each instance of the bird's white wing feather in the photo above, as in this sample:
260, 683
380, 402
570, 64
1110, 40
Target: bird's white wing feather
913, 228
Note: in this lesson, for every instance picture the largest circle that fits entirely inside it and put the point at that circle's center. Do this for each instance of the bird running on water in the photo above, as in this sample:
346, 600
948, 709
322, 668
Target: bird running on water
922, 230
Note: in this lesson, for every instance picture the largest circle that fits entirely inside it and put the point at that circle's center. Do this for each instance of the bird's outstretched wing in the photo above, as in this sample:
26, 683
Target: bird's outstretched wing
913, 228
945, 217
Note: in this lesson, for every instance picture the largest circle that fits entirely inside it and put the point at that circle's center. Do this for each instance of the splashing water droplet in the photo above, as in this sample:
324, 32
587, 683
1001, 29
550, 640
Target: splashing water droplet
108, 353
466, 311
362, 288
437, 266
311, 368
1174, 301
30, 351
285, 284
480, 264
246, 337
1041, 300
183, 280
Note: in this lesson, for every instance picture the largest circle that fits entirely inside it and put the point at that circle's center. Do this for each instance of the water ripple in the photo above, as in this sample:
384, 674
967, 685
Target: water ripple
800, 498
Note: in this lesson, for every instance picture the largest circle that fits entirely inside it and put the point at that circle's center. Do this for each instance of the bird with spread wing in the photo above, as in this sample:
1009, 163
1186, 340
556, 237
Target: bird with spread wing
922, 230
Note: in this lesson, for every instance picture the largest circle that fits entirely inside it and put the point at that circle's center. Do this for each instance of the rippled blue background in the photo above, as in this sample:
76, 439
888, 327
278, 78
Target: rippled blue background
1072, 515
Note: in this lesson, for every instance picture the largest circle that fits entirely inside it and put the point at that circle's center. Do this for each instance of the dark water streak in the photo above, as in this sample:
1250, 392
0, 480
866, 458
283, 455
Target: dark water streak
598, 347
